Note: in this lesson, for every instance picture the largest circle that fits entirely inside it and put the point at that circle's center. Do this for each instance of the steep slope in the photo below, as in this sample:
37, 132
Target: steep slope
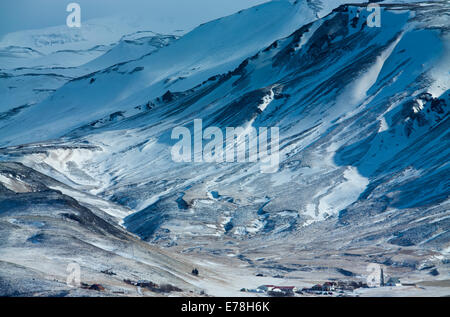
364, 133
208, 50
346, 111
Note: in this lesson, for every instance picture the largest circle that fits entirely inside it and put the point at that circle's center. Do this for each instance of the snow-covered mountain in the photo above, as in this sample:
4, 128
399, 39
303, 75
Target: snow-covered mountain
208, 50
28, 75
364, 147
61, 46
